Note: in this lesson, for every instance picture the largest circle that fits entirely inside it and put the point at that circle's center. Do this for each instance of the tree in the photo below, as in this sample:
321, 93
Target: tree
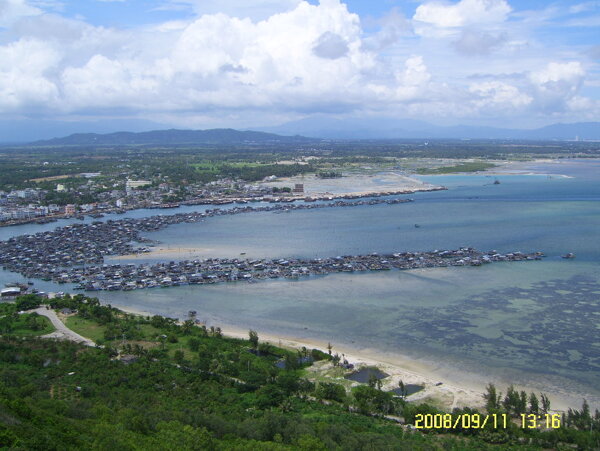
492, 398
187, 327
329, 348
336, 360
179, 356
334, 392
522, 406
194, 344
534, 405
545, 403
403, 391
253, 337
374, 382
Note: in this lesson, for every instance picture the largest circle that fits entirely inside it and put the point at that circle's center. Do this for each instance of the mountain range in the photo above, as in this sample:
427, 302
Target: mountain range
386, 128
317, 128
172, 137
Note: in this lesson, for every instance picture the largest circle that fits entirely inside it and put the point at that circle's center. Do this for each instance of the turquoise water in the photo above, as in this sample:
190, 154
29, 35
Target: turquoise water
535, 323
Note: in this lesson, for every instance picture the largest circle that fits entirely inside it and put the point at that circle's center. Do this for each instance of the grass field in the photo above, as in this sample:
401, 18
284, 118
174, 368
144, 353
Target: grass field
475, 166
23, 326
86, 328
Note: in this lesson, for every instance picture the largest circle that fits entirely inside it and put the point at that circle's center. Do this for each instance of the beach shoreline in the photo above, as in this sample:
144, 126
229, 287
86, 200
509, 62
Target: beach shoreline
445, 387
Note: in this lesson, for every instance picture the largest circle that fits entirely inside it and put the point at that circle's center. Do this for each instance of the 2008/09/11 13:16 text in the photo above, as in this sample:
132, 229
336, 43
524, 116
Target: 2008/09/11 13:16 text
478, 421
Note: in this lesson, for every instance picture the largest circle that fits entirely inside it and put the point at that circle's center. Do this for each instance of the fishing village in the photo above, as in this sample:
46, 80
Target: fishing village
75, 254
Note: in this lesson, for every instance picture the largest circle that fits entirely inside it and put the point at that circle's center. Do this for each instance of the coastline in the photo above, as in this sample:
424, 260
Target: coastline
458, 388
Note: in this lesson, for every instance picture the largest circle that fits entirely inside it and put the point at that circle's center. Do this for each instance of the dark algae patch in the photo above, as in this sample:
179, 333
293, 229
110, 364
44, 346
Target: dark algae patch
551, 326
409, 389
364, 375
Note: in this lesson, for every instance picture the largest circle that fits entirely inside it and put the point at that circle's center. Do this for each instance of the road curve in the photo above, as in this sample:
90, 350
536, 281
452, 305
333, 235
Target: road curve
62, 331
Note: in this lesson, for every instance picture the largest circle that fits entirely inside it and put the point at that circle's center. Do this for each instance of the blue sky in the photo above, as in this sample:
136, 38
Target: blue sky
240, 63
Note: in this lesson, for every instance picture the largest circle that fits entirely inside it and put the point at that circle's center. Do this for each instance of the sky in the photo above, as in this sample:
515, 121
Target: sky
131, 64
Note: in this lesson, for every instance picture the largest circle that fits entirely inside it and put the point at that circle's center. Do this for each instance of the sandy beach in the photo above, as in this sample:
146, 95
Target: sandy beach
446, 388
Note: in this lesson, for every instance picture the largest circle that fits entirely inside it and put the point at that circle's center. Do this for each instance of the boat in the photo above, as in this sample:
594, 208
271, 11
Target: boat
569, 255
496, 182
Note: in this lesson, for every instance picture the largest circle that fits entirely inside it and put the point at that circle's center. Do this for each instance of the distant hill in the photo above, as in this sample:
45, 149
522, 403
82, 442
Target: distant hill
171, 137
323, 127
389, 128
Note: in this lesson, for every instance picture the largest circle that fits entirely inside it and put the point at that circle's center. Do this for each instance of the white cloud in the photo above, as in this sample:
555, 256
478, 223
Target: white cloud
571, 73
497, 94
255, 10
439, 18
476, 42
584, 7
13, 10
23, 81
300, 59
556, 85
331, 46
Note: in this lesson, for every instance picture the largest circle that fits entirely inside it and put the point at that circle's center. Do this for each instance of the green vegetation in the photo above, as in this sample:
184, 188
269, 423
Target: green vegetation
250, 171
463, 167
181, 165
86, 328
157, 384
329, 174
22, 325
26, 325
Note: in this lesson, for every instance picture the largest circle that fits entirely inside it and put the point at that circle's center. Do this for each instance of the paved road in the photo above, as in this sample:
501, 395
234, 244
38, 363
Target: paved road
62, 332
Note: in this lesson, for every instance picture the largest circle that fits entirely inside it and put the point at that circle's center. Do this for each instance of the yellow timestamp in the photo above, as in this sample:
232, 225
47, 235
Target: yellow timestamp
463, 421
479, 421
533, 421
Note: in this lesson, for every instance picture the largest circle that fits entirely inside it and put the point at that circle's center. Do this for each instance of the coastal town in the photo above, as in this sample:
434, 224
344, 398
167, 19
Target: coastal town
29, 204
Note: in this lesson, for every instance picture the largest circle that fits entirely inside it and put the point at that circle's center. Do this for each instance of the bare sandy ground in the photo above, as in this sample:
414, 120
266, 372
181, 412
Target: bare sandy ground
354, 184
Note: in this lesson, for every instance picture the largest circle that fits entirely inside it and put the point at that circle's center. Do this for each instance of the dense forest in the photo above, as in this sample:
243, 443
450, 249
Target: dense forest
155, 383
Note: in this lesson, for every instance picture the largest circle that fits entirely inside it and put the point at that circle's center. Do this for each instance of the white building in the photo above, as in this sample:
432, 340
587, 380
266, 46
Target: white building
133, 184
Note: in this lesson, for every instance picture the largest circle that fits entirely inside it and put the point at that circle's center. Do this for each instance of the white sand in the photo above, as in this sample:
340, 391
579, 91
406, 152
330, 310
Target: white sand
458, 389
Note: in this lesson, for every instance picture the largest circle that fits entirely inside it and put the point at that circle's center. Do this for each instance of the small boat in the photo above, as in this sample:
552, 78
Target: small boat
569, 255
417, 226
496, 182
